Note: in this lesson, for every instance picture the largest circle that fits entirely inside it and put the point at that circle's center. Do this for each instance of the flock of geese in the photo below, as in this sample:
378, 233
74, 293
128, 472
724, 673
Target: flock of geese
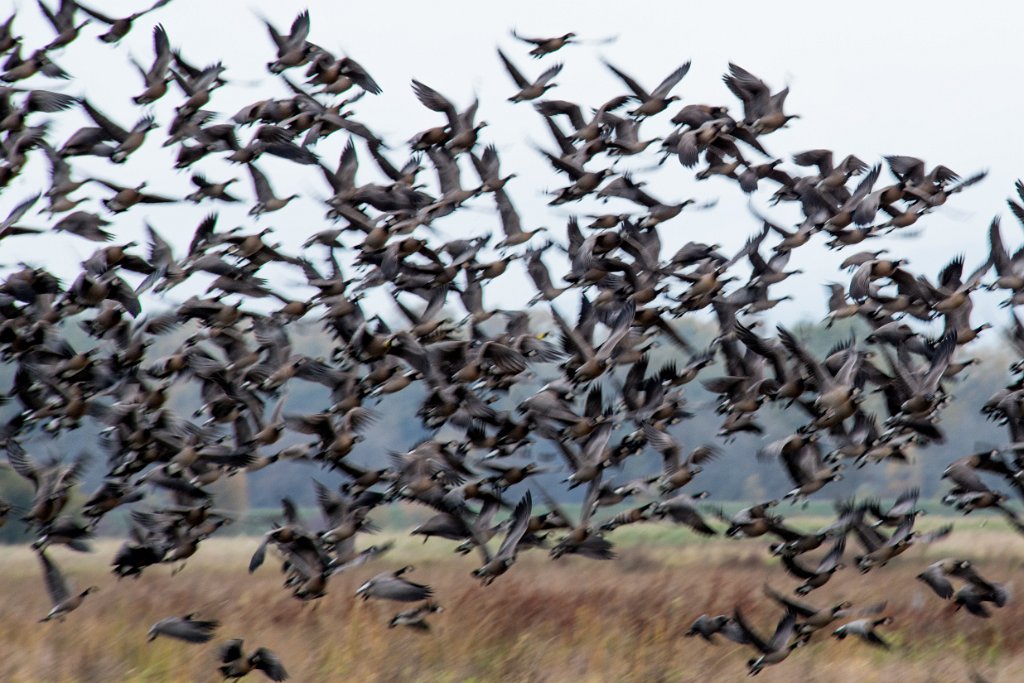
865, 402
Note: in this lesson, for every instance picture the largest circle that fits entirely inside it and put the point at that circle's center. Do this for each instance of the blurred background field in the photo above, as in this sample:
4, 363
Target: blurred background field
567, 620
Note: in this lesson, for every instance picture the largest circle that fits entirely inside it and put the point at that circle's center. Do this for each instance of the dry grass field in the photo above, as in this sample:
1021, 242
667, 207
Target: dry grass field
570, 620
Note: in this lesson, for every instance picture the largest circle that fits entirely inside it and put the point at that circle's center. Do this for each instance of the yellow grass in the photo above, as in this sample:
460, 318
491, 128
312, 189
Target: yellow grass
570, 620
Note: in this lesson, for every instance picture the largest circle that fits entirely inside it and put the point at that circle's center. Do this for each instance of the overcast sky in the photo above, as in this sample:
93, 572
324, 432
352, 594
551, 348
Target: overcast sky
930, 80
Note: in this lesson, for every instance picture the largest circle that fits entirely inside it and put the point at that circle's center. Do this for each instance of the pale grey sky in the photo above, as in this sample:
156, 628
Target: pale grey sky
934, 80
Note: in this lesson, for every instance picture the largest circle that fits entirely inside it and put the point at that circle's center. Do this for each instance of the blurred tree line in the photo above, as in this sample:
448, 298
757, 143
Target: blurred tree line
737, 475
